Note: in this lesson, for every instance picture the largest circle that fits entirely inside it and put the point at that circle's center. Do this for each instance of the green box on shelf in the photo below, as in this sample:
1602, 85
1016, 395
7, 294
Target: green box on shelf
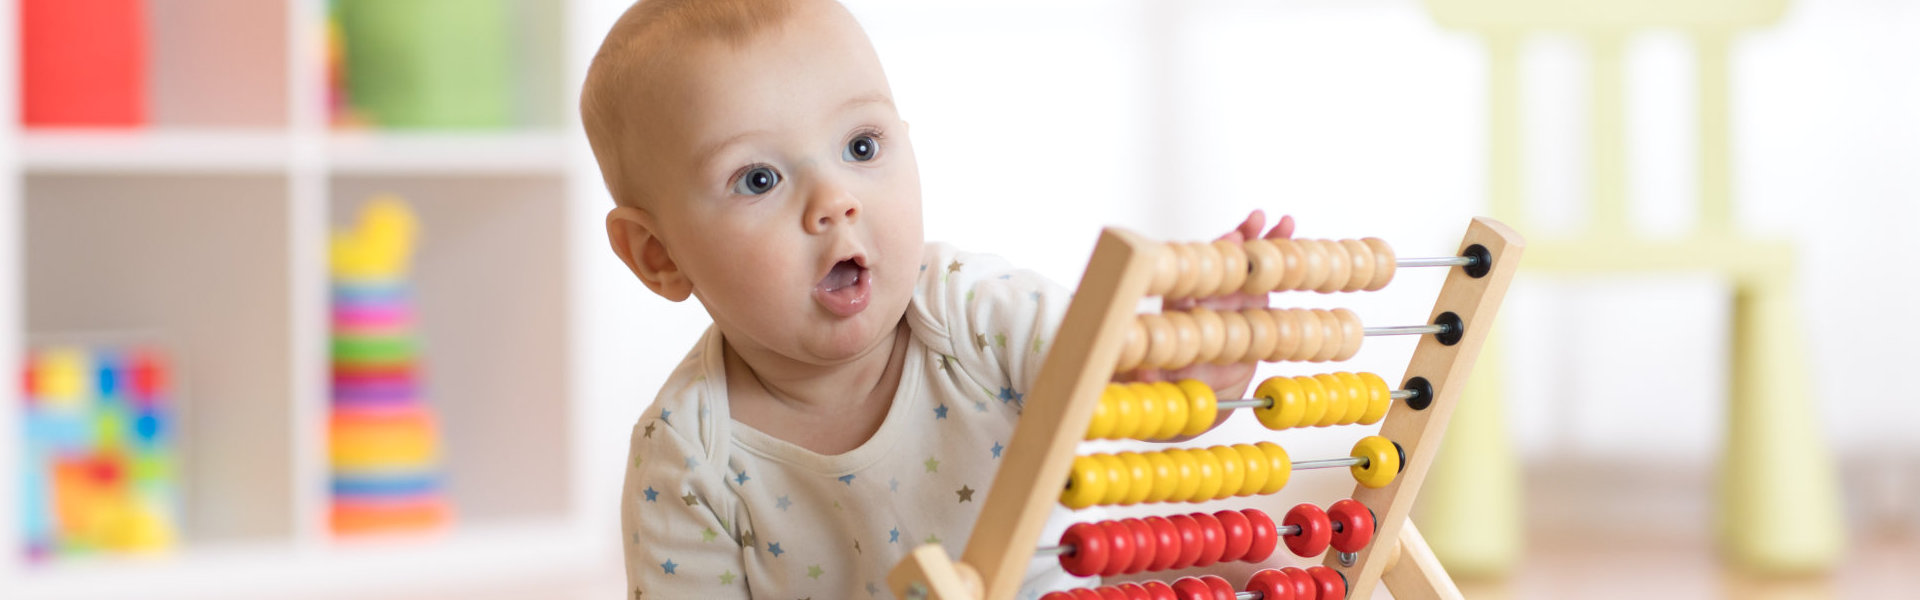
430, 64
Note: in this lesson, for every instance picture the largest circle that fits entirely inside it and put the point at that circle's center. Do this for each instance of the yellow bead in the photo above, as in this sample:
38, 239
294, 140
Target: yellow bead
1187, 474
1086, 484
1152, 412
1233, 471
1288, 403
1119, 479
1140, 474
1279, 467
1359, 397
1382, 464
1126, 413
1166, 477
1101, 427
1379, 398
1336, 399
1316, 400
1202, 408
1178, 414
1256, 471
1208, 474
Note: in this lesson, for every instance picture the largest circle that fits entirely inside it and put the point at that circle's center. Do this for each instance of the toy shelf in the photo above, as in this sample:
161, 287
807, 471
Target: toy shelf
206, 231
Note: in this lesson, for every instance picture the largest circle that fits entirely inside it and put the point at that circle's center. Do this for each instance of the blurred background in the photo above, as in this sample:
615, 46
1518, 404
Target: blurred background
311, 298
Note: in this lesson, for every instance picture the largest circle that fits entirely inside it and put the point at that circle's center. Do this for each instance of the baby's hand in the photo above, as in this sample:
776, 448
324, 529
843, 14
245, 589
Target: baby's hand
1228, 381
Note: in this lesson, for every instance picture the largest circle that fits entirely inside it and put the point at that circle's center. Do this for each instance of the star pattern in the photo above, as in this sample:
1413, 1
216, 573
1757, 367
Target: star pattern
954, 267
997, 448
980, 341
893, 485
774, 549
933, 539
668, 566
727, 577
933, 466
692, 462
783, 502
666, 416
847, 479
814, 572
691, 499
748, 541
649, 434
652, 494
708, 534
966, 493
893, 537
741, 479
940, 413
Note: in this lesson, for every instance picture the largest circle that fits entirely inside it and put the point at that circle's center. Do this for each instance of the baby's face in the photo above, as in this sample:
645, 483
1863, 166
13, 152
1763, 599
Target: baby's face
785, 187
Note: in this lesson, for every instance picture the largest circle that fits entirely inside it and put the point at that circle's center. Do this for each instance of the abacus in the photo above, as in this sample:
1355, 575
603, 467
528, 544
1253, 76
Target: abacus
1075, 398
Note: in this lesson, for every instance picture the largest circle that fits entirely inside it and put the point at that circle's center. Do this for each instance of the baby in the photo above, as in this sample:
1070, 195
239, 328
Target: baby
858, 387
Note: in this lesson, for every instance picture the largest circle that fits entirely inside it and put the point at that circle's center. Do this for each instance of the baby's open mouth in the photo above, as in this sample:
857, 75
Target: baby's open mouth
844, 274
844, 290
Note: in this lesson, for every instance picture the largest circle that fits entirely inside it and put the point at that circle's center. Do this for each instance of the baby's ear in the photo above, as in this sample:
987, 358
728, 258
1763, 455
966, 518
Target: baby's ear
631, 232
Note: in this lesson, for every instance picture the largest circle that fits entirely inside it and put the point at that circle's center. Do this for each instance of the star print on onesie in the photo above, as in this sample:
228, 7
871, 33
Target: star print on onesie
834, 526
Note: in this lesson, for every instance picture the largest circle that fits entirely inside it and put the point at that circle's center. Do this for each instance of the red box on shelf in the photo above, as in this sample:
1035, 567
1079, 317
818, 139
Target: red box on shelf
83, 63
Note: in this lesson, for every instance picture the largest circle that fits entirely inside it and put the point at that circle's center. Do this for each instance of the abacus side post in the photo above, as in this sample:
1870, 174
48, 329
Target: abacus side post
1418, 575
939, 578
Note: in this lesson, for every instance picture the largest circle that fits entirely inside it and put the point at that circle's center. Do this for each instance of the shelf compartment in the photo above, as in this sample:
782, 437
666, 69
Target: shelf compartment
199, 266
489, 293
479, 153
214, 151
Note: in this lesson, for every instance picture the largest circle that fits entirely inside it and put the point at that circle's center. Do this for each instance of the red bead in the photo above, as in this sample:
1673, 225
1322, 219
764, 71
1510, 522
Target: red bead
1239, 534
1086, 594
1119, 547
1271, 584
1192, 588
1144, 546
1057, 596
1303, 588
1265, 535
1330, 583
1352, 525
1315, 530
1134, 591
1189, 541
1111, 593
1213, 539
1221, 589
1089, 556
1159, 590
1166, 540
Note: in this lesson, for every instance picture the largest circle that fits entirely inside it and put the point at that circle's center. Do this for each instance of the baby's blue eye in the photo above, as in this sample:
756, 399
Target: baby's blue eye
861, 149
757, 181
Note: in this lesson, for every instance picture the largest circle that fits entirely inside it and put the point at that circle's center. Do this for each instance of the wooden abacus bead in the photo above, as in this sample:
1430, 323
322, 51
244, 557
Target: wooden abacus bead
1213, 539
1352, 333
1233, 471
1134, 349
1315, 396
1119, 547
1160, 340
1139, 476
1101, 427
1213, 332
1222, 590
1303, 586
1339, 266
1314, 531
1233, 340
1184, 279
1152, 412
1359, 397
1233, 266
1159, 590
1126, 411
1265, 536
1166, 543
1166, 477
1208, 474
1206, 270
1384, 263
1279, 466
1192, 588
1360, 269
1144, 545
1089, 555
1382, 463
1189, 531
1333, 338
1119, 478
1057, 596
1261, 333
1087, 594
1353, 525
1239, 535
1312, 335
1176, 399
1313, 260
1337, 399
1187, 467
1265, 267
1202, 407
1379, 398
1255, 469
1293, 265
1286, 403
1166, 270
1271, 584
1086, 483
1186, 338
1328, 583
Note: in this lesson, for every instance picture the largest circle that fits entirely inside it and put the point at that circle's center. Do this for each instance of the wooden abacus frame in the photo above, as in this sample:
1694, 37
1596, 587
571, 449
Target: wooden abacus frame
1082, 363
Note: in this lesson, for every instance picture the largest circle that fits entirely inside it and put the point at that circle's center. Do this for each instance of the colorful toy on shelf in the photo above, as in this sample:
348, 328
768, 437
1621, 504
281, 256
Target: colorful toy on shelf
99, 474
1365, 539
83, 64
383, 438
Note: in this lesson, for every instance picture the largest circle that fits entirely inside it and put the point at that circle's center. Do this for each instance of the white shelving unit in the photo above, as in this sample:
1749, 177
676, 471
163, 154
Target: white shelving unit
209, 228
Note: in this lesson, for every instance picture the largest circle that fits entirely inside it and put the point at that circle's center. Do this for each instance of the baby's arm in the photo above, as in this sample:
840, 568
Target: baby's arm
677, 545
